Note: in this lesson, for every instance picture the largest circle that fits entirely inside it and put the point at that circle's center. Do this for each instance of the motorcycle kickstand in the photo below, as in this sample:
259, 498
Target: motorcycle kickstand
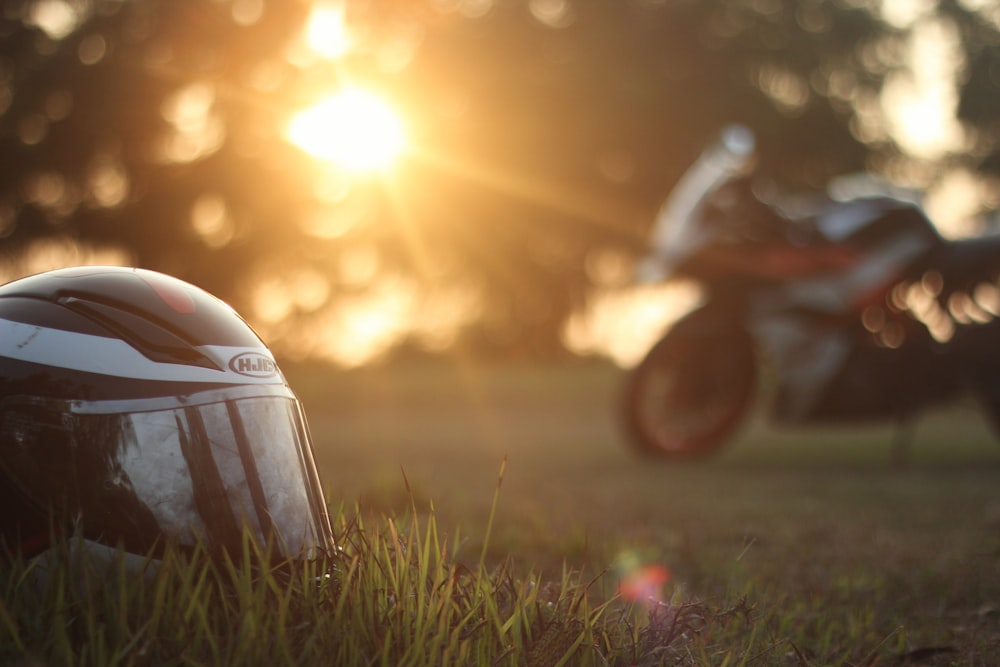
902, 441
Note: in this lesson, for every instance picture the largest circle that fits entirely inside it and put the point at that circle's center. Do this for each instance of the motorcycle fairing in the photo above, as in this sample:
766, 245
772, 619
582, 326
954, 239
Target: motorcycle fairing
878, 382
805, 360
869, 278
800, 323
844, 221
677, 231
845, 375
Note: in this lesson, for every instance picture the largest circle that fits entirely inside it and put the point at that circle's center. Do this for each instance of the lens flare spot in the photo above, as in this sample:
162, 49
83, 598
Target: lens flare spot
326, 30
644, 583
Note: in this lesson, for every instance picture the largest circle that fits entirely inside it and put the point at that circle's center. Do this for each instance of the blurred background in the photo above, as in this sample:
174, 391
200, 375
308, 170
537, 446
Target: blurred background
367, 181
472, 182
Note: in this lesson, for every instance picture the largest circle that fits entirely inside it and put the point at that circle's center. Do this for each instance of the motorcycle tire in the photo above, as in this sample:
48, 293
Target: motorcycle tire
690, 392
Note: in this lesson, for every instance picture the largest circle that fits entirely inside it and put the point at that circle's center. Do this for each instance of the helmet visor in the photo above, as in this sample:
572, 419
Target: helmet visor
206, 468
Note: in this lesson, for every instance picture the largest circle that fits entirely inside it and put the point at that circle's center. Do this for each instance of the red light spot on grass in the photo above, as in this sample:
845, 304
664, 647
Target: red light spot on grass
644, 583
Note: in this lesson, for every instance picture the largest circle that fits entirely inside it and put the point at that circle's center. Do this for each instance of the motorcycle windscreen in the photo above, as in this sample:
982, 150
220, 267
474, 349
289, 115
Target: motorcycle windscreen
208, 471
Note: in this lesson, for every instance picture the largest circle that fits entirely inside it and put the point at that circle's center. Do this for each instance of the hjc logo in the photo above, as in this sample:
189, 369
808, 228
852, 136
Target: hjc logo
253, 364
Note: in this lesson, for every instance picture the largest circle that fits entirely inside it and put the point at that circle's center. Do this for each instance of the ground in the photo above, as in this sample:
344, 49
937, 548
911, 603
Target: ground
818, 527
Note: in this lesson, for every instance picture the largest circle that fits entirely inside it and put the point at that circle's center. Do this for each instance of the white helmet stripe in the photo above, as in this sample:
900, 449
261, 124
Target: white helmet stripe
115, 357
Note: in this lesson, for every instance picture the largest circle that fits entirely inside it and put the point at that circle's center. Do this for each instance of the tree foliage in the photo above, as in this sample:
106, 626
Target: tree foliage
543, 134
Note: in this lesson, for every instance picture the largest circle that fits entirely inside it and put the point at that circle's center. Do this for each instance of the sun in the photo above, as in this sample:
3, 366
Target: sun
354, 129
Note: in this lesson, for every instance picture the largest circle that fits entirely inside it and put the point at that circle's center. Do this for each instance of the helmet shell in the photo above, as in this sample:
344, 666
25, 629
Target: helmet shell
147, 411
107, 332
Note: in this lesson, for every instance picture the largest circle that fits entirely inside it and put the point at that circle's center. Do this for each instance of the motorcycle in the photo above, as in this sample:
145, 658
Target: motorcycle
859, 309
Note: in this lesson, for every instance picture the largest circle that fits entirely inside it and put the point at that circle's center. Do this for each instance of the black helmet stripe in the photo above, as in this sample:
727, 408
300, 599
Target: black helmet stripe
250, 468
210, 496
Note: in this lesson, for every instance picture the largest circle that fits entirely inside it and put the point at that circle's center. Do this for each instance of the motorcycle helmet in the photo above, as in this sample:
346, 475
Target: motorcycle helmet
138, 410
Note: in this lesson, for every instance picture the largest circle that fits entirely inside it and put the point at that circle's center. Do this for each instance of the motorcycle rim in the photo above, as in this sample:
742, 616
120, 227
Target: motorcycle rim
689, 394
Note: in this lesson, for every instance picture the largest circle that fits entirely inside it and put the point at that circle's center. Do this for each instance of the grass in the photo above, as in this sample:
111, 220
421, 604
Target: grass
790, 548
841, 552
394, 596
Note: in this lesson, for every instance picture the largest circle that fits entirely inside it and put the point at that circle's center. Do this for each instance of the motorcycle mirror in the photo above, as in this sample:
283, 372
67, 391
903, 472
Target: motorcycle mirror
738, 140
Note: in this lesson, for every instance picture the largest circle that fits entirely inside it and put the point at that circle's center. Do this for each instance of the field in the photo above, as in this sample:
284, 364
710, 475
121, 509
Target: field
845, 557
494, 516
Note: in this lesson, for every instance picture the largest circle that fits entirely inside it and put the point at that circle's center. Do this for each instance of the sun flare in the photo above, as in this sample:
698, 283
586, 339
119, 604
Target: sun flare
354, 129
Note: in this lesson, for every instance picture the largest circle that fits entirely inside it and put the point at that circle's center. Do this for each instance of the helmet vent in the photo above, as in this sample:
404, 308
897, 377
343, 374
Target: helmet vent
148, 336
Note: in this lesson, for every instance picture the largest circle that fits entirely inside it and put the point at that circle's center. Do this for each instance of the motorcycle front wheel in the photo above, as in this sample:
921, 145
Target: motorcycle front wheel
689, 393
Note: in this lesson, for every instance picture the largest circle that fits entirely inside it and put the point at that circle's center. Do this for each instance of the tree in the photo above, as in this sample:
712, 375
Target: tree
544, 134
